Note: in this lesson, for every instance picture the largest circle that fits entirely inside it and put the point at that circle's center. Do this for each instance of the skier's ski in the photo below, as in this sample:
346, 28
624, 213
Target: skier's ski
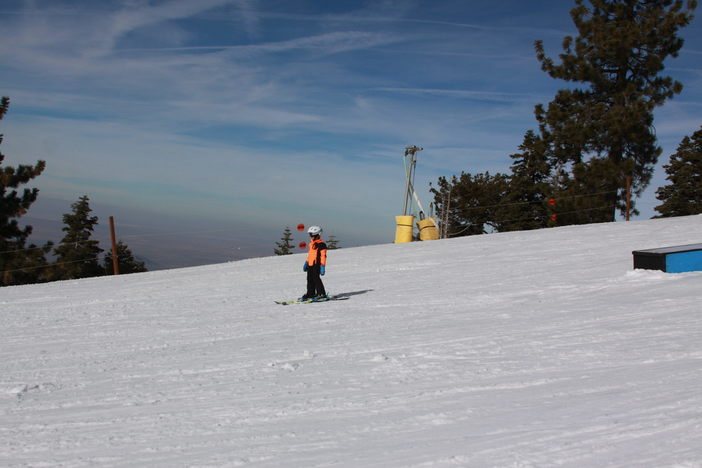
295, 301
309, 301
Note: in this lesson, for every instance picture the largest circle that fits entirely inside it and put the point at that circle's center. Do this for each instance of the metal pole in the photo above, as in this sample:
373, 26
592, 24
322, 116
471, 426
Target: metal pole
407, 183
410, 170
628, 197
115, 259
408, 179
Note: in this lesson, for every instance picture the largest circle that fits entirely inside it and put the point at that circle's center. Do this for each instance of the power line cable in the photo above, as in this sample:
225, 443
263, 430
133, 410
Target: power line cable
539, 217
50, 265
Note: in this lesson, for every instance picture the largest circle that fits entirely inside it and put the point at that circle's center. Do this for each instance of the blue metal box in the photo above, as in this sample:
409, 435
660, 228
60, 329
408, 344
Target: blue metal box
678, 259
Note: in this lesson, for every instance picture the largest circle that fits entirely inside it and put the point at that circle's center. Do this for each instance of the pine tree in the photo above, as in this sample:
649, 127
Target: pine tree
526, 204
473, 203
618, 58
586, 194
77, 256
19, 263
683, 196
332, 243
125, 261
285, 247
25, 265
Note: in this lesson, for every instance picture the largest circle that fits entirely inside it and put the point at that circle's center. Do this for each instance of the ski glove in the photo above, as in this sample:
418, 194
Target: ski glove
305, 267
321, 270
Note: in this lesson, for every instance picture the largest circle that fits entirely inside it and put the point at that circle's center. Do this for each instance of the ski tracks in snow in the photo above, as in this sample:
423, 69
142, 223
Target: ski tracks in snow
521, 349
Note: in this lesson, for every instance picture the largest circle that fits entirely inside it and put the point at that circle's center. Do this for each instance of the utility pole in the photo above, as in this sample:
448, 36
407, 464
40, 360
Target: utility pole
115, 259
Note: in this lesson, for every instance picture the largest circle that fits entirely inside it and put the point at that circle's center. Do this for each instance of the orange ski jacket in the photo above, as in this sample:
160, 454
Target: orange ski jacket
317, 253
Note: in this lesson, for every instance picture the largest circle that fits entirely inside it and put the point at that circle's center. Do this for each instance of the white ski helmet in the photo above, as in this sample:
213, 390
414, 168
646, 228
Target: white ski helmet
314, 231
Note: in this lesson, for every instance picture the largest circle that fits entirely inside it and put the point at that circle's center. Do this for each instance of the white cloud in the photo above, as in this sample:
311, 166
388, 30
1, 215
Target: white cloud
130, 18
477, 95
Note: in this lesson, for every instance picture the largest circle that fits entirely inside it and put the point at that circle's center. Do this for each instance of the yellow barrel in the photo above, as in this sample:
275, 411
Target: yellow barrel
405, 225
428, 229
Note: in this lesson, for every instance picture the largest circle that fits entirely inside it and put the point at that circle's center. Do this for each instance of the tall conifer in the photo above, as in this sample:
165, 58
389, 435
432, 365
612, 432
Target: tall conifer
526, 205
683, 196
285, 246
19, 262
77, 256
125, 261
615, 63
473, 202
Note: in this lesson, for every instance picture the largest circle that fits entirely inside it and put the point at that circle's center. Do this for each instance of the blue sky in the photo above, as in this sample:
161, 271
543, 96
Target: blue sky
263, 114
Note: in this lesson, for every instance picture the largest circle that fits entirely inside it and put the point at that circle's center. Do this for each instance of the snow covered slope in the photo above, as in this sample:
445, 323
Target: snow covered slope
541, 348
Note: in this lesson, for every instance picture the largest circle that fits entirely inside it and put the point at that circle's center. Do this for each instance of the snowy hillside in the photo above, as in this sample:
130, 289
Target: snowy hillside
541, 348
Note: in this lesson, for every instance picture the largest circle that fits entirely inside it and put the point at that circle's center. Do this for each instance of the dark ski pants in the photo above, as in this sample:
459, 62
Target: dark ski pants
315, 287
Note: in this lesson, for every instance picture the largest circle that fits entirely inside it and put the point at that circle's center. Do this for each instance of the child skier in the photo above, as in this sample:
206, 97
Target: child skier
315, 265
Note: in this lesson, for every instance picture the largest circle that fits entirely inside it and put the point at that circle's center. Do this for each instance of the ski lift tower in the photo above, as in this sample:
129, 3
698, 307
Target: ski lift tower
428, 229
410, 160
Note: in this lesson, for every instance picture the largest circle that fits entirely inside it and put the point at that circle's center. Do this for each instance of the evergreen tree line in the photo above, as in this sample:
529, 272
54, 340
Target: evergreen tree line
594, 135
76, 256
